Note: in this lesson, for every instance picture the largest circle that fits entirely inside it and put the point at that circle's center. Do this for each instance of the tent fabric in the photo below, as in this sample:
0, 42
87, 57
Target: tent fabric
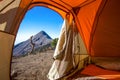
67, 47
95, 71
6, 44
8, 9
86, 18
110, 63
106, 40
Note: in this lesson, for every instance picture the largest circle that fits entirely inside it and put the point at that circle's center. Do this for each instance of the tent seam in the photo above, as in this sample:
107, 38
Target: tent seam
95, 23
7, 5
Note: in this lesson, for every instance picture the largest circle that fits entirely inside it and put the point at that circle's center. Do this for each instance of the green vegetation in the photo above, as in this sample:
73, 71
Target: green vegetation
54, 43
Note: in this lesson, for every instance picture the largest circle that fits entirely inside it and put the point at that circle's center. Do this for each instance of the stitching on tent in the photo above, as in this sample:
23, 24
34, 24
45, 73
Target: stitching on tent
86, 3
6, 32
66, 3
7, 5
95, 23
79, 5
60, 5
50, 5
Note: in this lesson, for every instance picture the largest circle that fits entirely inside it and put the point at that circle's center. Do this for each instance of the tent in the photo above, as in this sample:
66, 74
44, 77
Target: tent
98, 23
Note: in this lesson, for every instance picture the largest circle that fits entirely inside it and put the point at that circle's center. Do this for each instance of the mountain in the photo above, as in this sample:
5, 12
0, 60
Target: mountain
40, 40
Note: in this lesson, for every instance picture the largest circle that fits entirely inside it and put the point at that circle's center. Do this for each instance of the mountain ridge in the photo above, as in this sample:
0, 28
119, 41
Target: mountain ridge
40, 39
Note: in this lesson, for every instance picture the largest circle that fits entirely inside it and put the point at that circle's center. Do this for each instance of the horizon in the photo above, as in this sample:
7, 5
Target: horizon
39, 19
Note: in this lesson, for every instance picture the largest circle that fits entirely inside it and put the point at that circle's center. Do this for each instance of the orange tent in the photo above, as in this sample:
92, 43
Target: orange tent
98, 22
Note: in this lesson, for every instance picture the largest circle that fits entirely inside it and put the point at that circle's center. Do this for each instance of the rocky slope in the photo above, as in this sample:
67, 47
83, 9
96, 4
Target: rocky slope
40, 40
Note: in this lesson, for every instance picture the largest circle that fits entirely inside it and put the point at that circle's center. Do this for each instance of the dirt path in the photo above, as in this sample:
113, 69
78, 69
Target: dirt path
32, 67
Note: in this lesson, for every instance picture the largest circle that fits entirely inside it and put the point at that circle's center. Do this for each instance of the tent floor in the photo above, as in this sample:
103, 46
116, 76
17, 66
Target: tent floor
79, 76
93, 72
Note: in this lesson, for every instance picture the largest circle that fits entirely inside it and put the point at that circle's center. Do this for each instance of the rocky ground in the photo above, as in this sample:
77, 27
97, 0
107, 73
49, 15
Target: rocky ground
32, 67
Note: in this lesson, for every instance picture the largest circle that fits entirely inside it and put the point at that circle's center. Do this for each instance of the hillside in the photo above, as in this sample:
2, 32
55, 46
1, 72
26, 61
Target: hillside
40, 41
32, 67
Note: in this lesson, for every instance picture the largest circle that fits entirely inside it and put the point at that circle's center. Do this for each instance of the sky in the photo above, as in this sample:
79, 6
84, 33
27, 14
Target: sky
38, 19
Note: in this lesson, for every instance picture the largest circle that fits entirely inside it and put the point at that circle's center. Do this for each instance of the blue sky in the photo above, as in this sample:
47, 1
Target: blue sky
37, 19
